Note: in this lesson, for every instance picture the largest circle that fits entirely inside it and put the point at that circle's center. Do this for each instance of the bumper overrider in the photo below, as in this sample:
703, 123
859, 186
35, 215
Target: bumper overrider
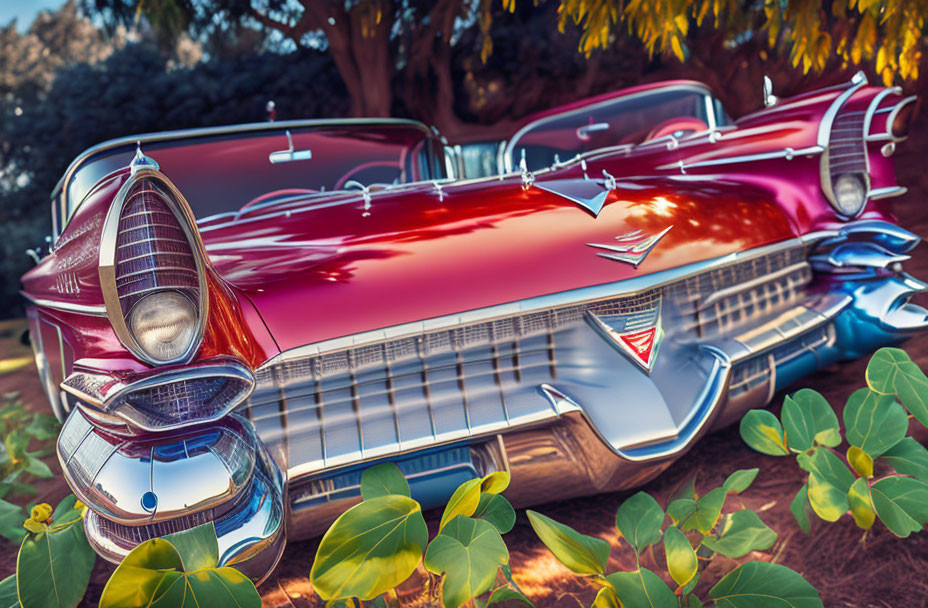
587, 391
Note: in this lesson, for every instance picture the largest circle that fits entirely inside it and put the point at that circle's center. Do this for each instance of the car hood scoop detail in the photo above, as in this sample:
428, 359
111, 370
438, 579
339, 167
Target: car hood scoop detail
587, 193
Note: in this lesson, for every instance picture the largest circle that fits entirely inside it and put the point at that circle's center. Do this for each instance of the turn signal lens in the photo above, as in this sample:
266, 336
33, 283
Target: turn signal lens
164, 324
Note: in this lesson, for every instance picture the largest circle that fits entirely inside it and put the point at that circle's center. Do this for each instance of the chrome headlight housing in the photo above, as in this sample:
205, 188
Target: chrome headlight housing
152, 269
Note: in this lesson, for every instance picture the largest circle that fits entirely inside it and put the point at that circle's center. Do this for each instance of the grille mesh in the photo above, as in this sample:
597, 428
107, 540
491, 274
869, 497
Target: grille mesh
152, 251
846, 150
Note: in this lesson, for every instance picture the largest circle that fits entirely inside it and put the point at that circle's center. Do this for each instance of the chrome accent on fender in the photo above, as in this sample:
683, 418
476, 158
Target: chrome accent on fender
108, 398
878, 193
886, 302
856, 254
824, 141
769, 98
140, 161
888, 150
157, 479
888, 135
874, 104
633, 253
107, 265
888, 235
586, 193
84, 309
787, 153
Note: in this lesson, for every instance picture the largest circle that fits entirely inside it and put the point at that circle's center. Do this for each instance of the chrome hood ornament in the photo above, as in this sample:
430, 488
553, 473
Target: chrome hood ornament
635, 246
637, 333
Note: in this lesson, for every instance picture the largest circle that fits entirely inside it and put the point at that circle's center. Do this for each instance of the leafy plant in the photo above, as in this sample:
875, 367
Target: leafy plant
884, 473
180, 570
696, 531
20, 428
377, 544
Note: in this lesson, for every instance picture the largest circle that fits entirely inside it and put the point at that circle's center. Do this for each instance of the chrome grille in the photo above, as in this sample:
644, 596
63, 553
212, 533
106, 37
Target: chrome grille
846, 150
758, 370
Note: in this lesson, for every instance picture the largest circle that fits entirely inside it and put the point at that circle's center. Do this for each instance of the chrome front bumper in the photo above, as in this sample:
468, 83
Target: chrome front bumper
541, 392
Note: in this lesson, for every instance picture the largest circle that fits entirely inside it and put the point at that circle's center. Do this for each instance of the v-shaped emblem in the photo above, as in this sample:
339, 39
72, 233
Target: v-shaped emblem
587, 193
637, 335
634, 249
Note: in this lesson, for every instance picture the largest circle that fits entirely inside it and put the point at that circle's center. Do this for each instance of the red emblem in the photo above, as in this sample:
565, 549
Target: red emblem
640, 344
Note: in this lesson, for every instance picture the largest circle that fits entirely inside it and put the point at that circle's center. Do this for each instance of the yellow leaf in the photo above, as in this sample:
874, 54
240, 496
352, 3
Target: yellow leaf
861, 461
677, 49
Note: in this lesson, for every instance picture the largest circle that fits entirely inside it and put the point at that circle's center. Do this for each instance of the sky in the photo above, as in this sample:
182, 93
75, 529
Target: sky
24, 10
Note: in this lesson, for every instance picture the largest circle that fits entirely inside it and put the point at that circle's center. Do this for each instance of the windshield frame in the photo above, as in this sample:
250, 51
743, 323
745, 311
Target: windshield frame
507, 160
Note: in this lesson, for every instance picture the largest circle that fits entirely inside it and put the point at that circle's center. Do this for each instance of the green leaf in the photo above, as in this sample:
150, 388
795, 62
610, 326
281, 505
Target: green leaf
8, 597
464, 501
371, 548
642, 589
504, 595
582, 554
694, 602
639, 521
382, 480
468, 552
901, 503
43, 427
198, 547
708, 508
681, 559
764, 585
65, 510
828, 467
495, 482
860, 461
762, 431
828, 501
824, 421
874, 422
800, 508
742, 533
36, 467
11, 522
861, 504
54, 566
798, 425
892, 372
681, 510
908, 457
153, 575
739, 481
606, 598
496, 510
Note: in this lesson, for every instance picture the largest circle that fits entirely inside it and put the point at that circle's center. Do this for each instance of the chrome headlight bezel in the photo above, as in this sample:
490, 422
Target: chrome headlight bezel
840, 191
180, 209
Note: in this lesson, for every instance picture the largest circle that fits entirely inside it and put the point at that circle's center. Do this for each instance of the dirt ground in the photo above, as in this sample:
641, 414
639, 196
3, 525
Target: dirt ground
850, 568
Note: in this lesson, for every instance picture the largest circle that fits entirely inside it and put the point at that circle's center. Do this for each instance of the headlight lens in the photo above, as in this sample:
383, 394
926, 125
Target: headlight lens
850, 194
163, 324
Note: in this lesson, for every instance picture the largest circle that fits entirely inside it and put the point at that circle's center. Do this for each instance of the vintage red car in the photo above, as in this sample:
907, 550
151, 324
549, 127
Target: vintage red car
234, 322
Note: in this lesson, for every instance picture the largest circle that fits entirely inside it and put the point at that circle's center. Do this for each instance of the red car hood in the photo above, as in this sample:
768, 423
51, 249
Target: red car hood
332, 271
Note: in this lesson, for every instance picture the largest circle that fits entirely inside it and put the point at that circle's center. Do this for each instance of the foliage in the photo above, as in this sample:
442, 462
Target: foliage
377, 544
889, 33
54, 562
180, 570
885, 475
640, 521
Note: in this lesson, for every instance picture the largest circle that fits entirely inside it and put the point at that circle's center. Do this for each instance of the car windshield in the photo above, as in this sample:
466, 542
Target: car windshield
223, 172
624, 120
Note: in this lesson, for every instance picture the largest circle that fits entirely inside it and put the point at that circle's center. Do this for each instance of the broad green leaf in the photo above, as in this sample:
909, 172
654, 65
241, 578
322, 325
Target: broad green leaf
464, 502
43, 427
582, 554
874, 422
764, 585
468, 552
681, 559
606, 598
762, 431
36, 467
198, 547
54, 566
908, 457
496, 510
8, 597
742, 533
694, 602
828, 467
11, 522
639, 521
642, 589
504, 595
495, 483
686, 490
860, 461
153, 575
901, 503
681, 510
892, 372
371, 548
798, 425
800, 508
65, 511
824, 421
383, 480
829, 502
861, 505
739, 481
706, 514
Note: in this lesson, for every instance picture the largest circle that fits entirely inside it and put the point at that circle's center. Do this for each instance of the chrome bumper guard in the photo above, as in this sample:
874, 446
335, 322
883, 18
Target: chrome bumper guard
544, 394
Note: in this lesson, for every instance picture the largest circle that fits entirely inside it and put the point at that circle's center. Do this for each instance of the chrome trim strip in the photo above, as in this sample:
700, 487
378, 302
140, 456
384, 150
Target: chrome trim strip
888, 192
874, 104
585, 294
892, 117
84, 309
735, 289
824, 140
787, 153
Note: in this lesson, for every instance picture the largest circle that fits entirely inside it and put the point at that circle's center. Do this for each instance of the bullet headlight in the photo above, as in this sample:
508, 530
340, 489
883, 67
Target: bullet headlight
164, 325
850, 194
